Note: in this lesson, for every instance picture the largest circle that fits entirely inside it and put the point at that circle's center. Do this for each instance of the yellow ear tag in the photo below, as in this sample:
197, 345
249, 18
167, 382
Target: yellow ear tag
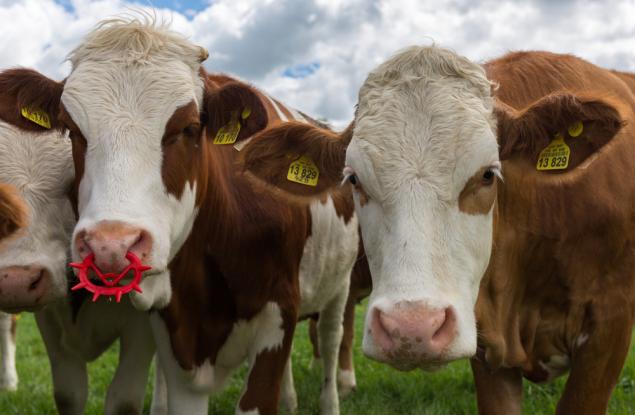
39, 117
576, 129
228, 134
555, 156
246, 113
303, 171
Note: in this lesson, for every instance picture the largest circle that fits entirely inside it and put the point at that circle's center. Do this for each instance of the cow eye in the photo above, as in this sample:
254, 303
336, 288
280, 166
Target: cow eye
489, 175
191, 130
353, 179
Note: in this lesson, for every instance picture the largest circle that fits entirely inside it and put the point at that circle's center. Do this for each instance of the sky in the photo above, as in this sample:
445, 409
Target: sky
315, 54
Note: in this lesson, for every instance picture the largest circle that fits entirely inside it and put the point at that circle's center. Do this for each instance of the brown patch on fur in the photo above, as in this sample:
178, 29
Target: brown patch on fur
13, 211
25, 87
180, 143
478, 195
563, 253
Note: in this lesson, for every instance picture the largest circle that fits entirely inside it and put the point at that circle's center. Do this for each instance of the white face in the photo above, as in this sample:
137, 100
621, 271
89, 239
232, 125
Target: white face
121, 105
424, 158
33, 265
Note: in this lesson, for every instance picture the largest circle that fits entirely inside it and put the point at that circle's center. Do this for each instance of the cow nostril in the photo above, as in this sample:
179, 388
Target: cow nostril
37, 281
445, 331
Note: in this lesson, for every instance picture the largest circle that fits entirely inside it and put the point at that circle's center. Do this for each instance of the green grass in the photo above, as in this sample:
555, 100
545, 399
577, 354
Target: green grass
380, 390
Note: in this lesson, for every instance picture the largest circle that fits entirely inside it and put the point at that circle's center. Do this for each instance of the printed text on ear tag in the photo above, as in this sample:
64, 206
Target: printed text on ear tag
555, 156
39, 117
228, 134
303, 171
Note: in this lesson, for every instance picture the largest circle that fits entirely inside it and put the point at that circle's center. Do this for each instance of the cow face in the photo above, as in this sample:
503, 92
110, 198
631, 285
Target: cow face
33, 262
424, 162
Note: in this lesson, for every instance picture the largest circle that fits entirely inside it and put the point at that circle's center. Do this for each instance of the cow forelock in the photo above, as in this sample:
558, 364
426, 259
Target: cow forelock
40, 167
424, 132
128, 81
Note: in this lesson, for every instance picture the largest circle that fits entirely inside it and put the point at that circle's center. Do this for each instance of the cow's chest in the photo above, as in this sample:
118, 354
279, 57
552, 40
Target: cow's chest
246, 340
328, 257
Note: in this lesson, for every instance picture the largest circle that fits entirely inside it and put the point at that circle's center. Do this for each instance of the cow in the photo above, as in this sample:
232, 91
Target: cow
155, 142
558, 292
37, 164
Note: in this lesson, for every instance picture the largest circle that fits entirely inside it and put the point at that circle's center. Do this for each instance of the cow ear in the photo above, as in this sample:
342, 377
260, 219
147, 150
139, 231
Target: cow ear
585, 122
273, 154
13, 212
233, 113
30, 100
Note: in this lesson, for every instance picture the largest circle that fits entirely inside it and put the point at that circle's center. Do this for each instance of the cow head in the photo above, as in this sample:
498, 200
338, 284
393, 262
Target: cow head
137, 106
423, 160
33, 262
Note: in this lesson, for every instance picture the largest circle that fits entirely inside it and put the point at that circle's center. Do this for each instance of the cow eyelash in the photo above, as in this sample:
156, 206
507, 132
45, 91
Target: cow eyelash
491, 173
350, 176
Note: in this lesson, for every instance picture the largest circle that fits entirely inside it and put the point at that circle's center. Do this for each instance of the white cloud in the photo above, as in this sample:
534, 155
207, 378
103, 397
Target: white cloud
258, 39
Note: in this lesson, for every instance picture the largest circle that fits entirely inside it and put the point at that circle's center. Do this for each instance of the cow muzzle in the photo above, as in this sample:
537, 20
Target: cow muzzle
23, 288
411, 334
109, 242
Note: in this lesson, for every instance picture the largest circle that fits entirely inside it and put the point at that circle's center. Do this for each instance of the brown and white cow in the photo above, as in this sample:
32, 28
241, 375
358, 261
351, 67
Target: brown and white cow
38, 165
233, 264
558, 293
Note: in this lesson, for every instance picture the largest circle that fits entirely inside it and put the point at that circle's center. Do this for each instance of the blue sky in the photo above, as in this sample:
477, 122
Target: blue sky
315, 54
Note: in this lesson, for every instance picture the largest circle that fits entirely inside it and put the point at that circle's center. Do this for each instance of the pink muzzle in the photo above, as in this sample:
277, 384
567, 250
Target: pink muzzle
110, 281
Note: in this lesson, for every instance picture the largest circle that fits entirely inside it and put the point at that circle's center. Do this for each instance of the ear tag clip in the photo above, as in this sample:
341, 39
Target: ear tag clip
36, 116
303, 171
575, 129
555, 156
228, 134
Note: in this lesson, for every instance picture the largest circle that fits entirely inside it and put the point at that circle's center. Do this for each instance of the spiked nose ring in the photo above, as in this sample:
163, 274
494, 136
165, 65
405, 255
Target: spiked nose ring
110, 281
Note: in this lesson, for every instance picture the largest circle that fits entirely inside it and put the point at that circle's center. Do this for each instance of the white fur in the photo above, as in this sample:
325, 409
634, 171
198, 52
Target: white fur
557, 365
127, 80
424, 126
8, 373
581, 339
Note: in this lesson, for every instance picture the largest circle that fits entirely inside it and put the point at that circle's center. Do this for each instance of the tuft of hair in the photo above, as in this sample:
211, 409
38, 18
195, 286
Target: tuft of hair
431, 62
137, 37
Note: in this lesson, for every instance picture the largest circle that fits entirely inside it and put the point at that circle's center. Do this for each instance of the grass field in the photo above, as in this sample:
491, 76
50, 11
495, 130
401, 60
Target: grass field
381, 390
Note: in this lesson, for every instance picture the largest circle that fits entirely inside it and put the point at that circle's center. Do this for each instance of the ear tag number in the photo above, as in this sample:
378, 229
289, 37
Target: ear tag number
303, 171
575, 129
39, 117
555, 156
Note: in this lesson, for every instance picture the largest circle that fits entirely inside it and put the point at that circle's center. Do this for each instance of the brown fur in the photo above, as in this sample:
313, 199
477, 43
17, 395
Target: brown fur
563, 257
477, 196
25, 87
13, 211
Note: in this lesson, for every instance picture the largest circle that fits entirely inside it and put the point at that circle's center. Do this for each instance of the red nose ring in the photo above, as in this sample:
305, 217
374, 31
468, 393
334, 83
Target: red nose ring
110, 280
